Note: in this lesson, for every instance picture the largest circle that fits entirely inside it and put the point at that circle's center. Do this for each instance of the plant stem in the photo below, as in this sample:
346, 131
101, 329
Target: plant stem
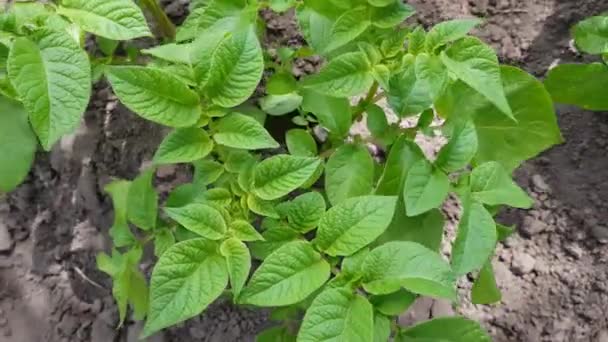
167, 29
369, 98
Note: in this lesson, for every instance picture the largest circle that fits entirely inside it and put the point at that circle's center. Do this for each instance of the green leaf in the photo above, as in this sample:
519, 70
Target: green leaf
163, 240
380, 3
403, 155
349, 173
18, 145
276, 236
238, 262
275, 334
281, 83
491, 184
176, 53
262, 207
461, 148
316, 26
244, 231
344, 76
120, 232
334, 113
411, 266
280, 104
183, 145
591, 35
201, 219
337, 314
582, 85
431, 72
112, 19
347, 27
500, 138
303, 212
416, 41
476, 64
207, 171
382, 328
475, 240
351, 265
354, 223
390, 16
155, 95
378, 124
393, 304
281, 5
186, 279
301, 143
452, 329
241, 131
277, 176
426, 188
142, 201
52, 77
409, 95
485, 291
236, 69
287, 276
449, 31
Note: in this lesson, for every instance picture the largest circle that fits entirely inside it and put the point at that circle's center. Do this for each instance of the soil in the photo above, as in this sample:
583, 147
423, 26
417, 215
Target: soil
553, 273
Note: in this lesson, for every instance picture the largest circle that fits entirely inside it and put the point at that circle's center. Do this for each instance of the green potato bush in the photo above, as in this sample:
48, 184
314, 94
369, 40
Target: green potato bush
337, 241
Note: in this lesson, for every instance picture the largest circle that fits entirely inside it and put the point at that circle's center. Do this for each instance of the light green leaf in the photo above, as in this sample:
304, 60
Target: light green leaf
393, 304
426, 188
500, 138
207, 171
476, 64
277, 176
378, 124
351, 265
281, 83
176, 53
491, 184
120, 232
287, 276
276, 235
416, 40
183, 145
244, 231
475, 240
186, 279
316, 26
238, 263
591, 35
583, 85
281, 5
155, 95
460, 149
163, 239
349, 173
354, 223
380, 3
142, 201
347, 27
303, 212
236, 69
382, 328
301, 143
408, 265
112, 19
452, 329
403, 155
409, 95
280, 104
390, 16
276, 334
334, 113
262, 207
449, 31
52, 77
338, 314
201, 219
344, 76
485, 291
431, 71
18, 145
241, 131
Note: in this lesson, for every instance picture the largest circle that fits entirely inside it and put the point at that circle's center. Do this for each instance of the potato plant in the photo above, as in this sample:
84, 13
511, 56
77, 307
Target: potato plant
584, 85
287, 209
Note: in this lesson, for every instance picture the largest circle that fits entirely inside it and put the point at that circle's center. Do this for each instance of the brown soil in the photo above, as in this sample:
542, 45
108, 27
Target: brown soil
554, 274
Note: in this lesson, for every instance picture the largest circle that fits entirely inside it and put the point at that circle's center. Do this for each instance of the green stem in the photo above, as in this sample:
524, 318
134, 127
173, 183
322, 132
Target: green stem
165, 25
369, 98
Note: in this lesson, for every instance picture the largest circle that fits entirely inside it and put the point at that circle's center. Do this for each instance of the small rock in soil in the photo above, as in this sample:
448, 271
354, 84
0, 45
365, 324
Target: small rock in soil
574, 250
532, 226
523, 263
540, 184
600, 233
6, 242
